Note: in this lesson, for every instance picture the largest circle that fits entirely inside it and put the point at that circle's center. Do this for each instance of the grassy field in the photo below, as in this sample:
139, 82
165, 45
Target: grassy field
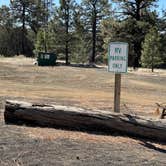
91, 88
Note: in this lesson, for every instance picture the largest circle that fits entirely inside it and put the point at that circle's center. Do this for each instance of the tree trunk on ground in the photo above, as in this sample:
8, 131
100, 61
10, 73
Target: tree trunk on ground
81, 119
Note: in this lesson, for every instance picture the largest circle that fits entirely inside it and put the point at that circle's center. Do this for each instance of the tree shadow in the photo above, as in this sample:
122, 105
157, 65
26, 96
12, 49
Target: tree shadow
96, 130
79, 65
150, 145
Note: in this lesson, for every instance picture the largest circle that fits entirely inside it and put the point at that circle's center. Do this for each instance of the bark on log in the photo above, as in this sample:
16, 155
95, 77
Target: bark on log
80, 119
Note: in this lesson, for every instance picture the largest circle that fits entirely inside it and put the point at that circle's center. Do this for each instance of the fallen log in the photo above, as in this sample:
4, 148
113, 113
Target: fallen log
80, 119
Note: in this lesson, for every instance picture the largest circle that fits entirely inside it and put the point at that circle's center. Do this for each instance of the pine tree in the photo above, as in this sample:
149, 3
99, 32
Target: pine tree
151, 49
28, 13
162, 29
66, 9
139, 11
9, 35
94, 12
80, 39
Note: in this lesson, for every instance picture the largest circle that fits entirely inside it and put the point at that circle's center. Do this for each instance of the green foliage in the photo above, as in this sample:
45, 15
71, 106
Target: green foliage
138, 14
43, 40
131, 25
162, 28
151, 49
66, 11
80, 45
82, 32
94, 11
33, 12
5, 17
10, 39
25, 14
80, 53
40, 42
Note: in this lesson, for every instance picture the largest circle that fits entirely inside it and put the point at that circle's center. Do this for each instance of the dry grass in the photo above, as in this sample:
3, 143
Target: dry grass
92, 88
84, 87
53, 134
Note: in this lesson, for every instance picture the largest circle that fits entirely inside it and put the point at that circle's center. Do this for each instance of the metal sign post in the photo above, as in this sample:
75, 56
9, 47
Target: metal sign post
117, 63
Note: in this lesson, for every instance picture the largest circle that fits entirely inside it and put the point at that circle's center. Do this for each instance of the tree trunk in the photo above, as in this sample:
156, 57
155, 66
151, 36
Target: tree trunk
67, 53
152, 63
23, 30
45, 40
92, 59
137, 48
67, 34
81, 119
138, 10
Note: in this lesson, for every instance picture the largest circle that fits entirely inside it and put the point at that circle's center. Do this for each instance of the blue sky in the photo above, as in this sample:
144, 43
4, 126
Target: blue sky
161, 3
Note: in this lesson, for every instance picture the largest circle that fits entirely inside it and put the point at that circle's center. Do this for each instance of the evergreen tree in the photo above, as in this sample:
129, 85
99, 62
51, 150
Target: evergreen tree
9, 35
57, 34
41, 42
162, 30
140, 12
94, 12
20, 8
80, 38
151, 49
28, 13
6, 17
38, 16
66, 7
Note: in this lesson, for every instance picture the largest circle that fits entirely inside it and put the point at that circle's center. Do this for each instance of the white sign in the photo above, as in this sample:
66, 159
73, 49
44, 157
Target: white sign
118, 57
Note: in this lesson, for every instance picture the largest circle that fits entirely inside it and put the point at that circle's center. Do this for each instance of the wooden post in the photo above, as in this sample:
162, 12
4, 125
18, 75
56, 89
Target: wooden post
117, 93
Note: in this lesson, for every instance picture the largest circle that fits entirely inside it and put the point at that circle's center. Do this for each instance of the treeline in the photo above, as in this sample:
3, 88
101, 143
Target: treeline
81, 32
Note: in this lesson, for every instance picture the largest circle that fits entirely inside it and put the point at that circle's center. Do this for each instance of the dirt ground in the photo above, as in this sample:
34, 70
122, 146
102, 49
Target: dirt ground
90, 88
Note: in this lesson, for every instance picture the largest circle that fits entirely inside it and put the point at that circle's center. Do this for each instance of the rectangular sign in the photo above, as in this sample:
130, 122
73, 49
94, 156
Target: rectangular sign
118, 57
